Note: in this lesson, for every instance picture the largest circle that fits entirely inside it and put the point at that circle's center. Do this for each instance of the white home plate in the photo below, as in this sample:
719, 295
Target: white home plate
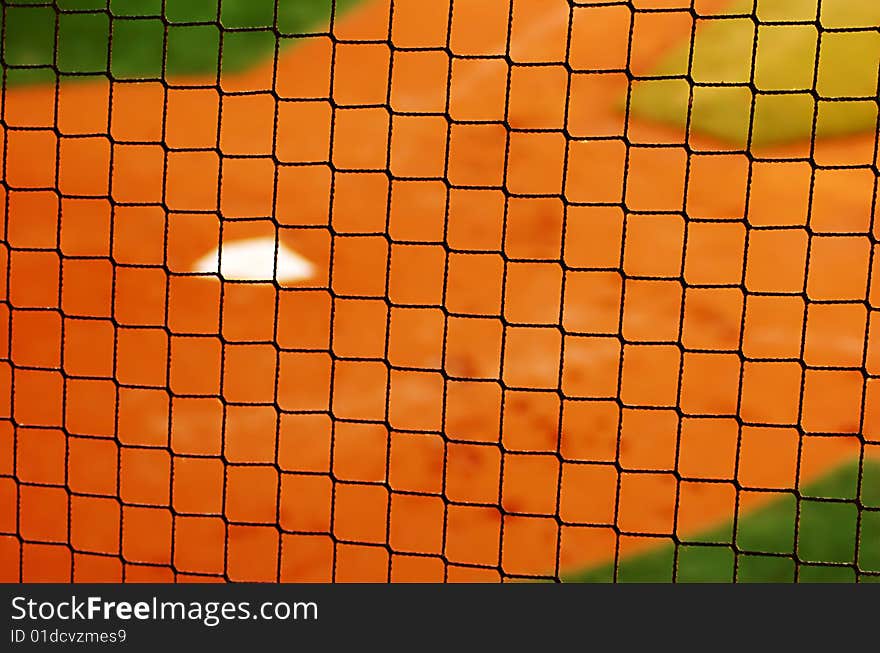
254, 259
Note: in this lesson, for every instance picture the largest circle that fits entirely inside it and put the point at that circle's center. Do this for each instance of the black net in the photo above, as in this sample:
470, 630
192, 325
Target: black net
439, 290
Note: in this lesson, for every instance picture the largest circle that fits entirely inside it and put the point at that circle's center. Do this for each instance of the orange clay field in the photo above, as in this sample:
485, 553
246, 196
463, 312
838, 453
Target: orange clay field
492, 324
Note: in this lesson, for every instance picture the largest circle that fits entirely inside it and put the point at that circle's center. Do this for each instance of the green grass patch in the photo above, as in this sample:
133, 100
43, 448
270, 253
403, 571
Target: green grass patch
130, 41
780, 62
829, 534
